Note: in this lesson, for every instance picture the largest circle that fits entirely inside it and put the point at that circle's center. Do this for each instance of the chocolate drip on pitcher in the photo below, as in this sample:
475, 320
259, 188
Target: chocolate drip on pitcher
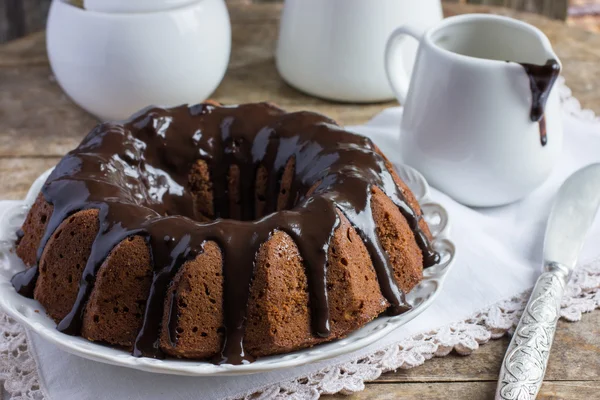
541, 81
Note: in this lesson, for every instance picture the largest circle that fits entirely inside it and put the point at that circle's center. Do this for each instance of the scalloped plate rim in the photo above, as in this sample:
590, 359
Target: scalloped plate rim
37, 322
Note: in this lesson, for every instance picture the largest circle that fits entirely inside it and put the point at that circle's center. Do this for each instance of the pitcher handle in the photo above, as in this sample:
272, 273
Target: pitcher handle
397, 74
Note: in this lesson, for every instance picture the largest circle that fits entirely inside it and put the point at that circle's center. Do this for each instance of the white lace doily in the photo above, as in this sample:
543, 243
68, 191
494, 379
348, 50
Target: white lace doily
19, 373
571, 105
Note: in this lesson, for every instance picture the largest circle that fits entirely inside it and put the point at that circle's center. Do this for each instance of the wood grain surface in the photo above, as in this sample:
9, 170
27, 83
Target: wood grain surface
39, 124
37, 119
573, 370
19, 17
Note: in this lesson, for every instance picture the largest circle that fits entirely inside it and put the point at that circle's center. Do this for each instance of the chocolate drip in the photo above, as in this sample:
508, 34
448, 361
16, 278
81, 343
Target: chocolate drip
541, 81
173, 319
136, 174
20, 235
24, 281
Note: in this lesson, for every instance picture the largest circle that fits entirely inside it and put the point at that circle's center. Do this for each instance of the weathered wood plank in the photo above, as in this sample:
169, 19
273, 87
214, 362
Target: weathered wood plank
468, 391
17, 175
25, 52
575, 357
37, 119
245, 11
555, 9
20, 17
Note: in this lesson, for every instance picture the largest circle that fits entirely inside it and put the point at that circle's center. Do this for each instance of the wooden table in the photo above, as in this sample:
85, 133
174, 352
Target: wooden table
38, 124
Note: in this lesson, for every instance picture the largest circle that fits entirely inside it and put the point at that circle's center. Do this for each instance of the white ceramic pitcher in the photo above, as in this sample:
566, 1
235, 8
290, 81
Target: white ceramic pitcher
471, 121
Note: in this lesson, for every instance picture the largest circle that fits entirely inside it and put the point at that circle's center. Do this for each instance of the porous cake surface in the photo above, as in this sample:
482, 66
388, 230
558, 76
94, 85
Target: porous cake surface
223, 233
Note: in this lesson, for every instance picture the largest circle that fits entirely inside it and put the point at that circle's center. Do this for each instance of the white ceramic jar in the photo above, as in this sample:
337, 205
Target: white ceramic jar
334, 48
113, 64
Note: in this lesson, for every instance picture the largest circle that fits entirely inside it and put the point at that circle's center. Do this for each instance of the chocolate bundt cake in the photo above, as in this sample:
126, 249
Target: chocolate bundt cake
222, 233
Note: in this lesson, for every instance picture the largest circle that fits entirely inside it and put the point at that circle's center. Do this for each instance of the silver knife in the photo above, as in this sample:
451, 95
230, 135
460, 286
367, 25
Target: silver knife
571, 217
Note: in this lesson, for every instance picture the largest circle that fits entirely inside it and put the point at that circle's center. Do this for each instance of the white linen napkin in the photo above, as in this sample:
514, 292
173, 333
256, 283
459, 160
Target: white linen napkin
499, 256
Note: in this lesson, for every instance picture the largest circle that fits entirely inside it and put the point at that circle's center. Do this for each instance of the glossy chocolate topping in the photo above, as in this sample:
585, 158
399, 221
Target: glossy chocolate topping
541, 81
136, 174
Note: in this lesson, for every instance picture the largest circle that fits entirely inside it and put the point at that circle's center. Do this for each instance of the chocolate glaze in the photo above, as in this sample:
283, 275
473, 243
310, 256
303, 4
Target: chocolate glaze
541, 81
136, 174
24, 281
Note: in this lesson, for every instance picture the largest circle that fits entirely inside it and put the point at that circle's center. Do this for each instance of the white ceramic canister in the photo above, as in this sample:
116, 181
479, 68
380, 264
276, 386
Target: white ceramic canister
335, 48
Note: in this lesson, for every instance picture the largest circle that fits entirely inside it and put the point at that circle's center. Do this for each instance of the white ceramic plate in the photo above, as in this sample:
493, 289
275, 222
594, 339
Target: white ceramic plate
31, 314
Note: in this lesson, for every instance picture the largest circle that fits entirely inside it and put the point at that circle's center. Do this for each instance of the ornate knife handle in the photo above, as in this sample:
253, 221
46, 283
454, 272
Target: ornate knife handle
525, 362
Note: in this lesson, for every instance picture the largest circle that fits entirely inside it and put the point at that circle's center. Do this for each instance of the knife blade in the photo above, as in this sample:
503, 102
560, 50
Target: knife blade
571, 217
